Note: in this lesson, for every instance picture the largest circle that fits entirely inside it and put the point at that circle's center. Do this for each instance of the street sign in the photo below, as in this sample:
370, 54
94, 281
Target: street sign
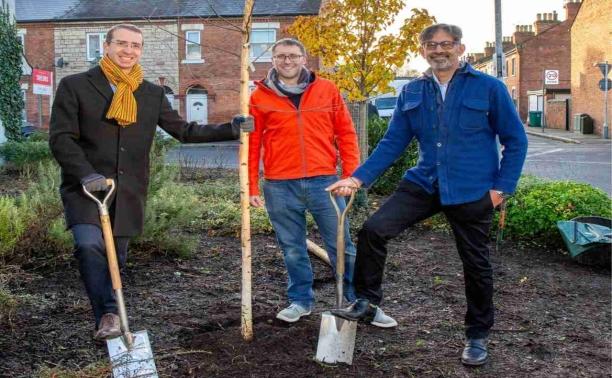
551, 77
602, 84
604, 68
42, 82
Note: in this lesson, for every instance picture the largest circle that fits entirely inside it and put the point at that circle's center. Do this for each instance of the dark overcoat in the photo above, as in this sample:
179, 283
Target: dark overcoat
84, 141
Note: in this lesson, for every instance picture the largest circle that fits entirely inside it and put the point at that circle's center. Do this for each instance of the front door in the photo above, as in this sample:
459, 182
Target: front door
197, 108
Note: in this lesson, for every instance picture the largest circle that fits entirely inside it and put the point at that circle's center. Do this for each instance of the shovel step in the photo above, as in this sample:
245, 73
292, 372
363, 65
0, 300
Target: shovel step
134, 362
336, 339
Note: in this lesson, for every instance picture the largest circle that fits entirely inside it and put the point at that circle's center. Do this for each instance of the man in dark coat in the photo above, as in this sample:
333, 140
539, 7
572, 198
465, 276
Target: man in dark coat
102, 126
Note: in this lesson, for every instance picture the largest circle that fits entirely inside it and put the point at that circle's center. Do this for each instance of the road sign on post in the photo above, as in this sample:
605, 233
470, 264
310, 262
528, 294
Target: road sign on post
42, 82
551, 77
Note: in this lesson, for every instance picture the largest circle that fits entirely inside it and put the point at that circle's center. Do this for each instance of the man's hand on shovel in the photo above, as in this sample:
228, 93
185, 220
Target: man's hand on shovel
345, 187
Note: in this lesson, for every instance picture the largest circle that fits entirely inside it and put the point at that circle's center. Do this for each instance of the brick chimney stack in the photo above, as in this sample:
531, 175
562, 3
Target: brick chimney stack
545, 21
489, 49
522, 33
571, 9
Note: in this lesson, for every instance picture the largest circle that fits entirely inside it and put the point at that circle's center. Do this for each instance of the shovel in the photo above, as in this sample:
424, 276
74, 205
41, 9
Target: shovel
337, 335
130, 354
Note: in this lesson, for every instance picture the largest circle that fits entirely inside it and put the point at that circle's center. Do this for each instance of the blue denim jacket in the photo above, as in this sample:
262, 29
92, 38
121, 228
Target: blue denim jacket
457, 145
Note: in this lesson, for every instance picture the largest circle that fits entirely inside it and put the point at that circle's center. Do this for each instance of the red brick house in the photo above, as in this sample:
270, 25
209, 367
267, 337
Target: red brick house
531, 49
591, 44
192, 47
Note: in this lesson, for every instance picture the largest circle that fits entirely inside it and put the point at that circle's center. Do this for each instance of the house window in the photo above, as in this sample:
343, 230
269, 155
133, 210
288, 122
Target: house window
262, 39
95, 47
193, 50
22, 41
506, 70
513, 65
24, 112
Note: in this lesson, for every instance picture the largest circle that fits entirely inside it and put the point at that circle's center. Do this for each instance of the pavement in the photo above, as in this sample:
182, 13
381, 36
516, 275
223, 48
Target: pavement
566, 136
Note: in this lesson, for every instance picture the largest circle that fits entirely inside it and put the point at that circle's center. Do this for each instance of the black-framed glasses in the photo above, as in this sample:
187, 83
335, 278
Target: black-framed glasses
292, 57
446, 45
126, 44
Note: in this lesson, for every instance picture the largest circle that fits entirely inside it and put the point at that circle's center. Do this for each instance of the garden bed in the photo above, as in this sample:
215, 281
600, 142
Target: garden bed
552, 319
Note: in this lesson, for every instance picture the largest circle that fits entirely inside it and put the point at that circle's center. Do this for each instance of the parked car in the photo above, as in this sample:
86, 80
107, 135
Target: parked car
385, 103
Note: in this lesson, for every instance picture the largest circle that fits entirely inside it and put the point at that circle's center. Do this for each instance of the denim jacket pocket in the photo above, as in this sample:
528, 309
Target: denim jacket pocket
474, 113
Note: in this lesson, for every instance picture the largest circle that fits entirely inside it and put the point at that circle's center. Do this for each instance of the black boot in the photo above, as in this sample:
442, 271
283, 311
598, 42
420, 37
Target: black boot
361, 309
475, 352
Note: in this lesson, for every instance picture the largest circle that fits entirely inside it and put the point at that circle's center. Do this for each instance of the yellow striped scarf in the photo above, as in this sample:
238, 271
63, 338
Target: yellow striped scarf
123, 108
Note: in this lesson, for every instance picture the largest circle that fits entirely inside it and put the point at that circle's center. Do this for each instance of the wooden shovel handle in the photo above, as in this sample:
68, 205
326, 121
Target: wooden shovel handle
111, 253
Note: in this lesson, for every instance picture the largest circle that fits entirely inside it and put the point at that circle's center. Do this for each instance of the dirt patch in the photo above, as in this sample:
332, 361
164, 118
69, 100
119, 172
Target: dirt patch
552, 319
12, 183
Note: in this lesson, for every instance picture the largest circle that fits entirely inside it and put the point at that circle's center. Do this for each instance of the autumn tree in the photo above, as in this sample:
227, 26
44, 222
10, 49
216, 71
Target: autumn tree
352, 39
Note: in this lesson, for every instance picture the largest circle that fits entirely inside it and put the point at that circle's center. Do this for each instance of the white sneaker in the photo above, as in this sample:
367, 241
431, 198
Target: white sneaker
382, 320
293, 313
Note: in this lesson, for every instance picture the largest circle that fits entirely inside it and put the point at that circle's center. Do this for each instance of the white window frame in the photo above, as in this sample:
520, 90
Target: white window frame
102, 37
24, 111
264, 26
190, 41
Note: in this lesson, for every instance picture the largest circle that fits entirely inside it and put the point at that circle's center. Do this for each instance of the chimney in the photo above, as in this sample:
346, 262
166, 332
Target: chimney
522, 33
489, 49
507, 43
470, 59
571, 9
544, 21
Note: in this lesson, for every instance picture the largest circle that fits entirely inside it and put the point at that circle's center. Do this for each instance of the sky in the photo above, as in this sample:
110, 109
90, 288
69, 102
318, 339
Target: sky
477, 18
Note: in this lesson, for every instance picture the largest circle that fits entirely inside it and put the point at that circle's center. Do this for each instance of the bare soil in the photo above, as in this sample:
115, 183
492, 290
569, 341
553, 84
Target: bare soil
552, 319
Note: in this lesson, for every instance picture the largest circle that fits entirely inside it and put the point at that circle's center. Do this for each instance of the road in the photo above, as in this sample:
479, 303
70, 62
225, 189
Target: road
587, 162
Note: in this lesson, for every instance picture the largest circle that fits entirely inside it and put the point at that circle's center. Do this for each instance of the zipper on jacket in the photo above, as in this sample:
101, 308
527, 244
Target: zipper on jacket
301, 130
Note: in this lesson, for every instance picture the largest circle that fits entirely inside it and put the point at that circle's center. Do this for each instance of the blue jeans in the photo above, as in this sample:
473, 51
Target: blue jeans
286, 203
90, 252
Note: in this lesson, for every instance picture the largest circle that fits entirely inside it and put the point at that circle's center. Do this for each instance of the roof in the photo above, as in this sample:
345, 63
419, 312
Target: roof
88, 10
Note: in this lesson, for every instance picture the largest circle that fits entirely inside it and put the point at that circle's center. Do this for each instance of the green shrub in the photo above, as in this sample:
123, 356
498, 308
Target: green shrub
389, 180
12, 225
25, 155
534, 210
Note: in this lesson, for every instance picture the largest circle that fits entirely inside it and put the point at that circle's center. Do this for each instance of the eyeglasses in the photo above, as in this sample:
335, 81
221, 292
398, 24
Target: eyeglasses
446, 45
292, 57
126, 44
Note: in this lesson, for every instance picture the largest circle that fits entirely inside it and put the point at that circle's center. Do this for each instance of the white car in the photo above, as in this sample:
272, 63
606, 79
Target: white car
385, 103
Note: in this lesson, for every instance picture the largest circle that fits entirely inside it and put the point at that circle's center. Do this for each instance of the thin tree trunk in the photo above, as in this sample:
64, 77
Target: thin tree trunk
246, 313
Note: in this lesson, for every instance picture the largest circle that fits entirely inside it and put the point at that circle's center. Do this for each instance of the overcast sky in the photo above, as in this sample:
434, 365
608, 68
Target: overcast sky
477, 18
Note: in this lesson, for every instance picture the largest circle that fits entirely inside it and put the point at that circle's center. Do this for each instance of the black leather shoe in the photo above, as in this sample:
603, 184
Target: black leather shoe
361, 309
475, 352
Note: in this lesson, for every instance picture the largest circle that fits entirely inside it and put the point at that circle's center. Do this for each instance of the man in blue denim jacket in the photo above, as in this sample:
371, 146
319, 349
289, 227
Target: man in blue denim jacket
455, 113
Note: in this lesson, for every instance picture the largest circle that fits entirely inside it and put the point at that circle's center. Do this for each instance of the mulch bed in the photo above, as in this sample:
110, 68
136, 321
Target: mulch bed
552, 319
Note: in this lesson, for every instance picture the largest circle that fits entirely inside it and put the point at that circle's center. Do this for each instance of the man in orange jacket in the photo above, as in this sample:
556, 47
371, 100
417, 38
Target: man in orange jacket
301, 123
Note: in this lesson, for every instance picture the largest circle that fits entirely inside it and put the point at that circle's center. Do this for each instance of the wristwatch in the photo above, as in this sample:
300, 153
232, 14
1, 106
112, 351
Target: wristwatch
501, 194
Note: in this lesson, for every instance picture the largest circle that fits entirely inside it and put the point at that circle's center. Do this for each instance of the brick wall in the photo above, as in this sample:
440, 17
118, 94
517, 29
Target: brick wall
556, 113
512, 79
219, 74
39, 52
591, 33
548, 50
159, 57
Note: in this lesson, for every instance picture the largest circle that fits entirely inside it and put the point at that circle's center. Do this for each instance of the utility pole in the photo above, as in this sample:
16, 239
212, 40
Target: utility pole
499, 50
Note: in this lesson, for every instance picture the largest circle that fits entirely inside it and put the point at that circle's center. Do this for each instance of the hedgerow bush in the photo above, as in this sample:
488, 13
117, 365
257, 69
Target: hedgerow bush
25, 155
532, 213
389, 180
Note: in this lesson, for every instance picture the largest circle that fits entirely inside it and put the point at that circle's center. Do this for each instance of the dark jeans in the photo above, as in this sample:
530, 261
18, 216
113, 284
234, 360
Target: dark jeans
470, 222
91, 255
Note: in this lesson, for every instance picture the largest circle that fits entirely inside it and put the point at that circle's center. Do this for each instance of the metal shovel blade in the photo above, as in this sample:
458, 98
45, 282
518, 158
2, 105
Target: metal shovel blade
336, 339
136, 361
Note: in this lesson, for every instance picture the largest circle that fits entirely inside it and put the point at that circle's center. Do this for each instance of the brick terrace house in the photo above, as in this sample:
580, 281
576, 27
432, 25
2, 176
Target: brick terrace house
191, 47
531, 49
591, 44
